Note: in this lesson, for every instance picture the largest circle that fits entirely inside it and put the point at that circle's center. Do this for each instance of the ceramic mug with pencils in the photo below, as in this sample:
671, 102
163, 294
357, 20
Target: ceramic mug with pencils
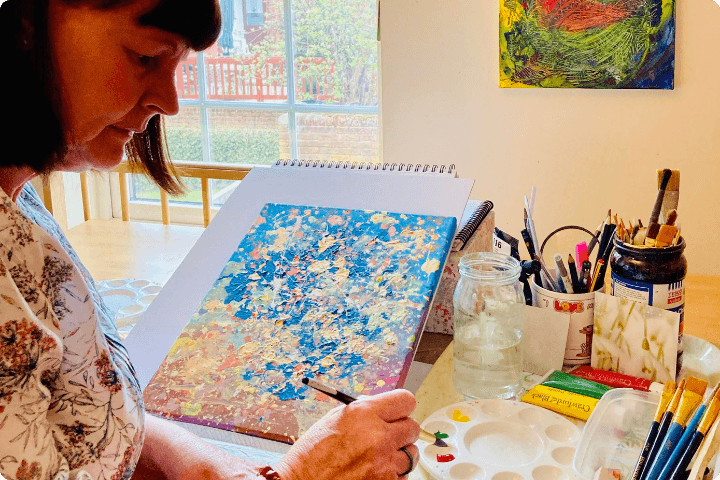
580, 307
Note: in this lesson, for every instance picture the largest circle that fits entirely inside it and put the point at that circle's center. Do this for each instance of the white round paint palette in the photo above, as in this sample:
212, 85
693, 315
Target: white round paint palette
500, 440
128, 299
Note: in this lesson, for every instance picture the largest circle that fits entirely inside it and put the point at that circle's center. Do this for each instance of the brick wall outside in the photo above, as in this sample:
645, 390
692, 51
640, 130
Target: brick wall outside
321, 137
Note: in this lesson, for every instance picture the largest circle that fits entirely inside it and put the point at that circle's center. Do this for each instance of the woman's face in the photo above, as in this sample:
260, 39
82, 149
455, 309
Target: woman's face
114, 75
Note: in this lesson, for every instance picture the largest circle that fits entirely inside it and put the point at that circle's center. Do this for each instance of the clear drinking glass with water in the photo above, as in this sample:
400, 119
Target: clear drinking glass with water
488, 321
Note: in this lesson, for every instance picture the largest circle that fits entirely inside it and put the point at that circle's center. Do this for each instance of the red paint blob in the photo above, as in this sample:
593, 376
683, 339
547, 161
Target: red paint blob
445, 458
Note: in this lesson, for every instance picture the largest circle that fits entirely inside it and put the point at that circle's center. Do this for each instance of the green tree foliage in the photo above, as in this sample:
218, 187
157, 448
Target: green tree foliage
335, 40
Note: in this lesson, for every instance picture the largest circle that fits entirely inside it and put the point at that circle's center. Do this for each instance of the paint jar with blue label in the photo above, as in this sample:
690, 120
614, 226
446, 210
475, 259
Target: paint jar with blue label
654, 276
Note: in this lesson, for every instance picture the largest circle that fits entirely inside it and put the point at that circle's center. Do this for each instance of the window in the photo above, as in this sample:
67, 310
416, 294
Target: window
240, 103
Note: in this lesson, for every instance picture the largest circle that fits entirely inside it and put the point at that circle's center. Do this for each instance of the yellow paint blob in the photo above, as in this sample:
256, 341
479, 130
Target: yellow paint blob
359, 388
459, 417
380, 383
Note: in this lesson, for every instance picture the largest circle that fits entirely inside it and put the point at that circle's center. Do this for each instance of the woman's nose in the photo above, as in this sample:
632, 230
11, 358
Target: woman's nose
161, 94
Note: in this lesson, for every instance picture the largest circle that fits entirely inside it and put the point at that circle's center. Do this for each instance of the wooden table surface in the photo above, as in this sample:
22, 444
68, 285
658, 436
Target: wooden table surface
115, 249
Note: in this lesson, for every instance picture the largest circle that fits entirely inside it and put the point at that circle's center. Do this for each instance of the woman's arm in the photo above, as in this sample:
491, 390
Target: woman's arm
171, 452
359, 441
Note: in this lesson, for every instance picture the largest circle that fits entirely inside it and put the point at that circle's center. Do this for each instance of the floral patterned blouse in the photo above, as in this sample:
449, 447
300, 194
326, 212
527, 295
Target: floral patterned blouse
70, 406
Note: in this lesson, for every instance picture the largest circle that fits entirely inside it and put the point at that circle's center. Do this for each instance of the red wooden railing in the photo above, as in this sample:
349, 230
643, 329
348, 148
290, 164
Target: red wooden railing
246, 78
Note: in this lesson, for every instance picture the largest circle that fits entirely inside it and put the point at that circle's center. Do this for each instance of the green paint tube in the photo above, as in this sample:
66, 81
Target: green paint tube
571, 383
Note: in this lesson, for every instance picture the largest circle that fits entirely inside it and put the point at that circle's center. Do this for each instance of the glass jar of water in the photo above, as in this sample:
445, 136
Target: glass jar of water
488, 320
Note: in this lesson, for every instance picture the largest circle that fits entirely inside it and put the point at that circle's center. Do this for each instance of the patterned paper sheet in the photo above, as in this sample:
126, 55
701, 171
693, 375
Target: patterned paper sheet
336, 295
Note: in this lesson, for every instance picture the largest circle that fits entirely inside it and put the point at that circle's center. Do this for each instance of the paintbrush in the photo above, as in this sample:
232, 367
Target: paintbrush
672, 194
691, 397
594, 240
708, 449
662, 429
425, 436
546, 274
665, 398
694, 433
667, 232
653, 225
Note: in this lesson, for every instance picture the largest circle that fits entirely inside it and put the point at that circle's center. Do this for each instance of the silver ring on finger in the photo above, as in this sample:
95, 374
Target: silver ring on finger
411, 459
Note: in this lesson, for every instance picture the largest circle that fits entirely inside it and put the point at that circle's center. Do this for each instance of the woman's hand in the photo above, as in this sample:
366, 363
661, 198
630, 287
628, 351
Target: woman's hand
361, 440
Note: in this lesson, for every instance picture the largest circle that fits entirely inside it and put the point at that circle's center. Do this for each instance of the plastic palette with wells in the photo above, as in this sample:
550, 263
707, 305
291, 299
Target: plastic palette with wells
128, 298
500, 440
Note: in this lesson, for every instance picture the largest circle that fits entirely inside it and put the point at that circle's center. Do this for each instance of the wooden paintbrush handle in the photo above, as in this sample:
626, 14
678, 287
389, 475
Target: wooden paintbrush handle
707, 451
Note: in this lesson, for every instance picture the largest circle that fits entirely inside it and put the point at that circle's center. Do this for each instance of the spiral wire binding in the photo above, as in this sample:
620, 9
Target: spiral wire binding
390, 167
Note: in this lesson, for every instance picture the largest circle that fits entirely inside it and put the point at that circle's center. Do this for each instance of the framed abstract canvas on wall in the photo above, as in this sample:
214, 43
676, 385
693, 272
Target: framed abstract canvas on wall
587, 44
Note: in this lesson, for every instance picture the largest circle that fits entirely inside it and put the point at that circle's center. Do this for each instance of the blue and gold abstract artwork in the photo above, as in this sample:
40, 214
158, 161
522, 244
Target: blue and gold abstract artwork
332, 294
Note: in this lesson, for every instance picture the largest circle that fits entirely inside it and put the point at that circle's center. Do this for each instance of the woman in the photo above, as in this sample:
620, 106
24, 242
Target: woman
83, 80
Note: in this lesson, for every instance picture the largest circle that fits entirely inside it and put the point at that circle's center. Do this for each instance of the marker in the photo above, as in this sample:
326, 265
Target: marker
691, 397
710, 417
662, 430
563, 274
425, 436
665, 398
581, 253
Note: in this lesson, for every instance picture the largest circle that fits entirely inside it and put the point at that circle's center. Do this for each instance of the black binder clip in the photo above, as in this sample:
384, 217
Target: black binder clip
528, 269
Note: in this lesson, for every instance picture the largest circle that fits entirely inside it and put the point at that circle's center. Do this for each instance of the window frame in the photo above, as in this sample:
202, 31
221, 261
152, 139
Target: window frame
188, 213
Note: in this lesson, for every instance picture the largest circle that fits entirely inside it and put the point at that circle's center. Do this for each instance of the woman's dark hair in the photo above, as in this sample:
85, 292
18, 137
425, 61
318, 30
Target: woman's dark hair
32, 135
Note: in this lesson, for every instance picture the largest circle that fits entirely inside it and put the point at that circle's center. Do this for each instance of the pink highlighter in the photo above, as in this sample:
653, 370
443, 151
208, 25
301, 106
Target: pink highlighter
581, 253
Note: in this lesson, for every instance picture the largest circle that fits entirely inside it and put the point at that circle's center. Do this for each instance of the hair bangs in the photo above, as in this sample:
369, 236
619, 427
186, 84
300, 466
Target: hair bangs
197, 21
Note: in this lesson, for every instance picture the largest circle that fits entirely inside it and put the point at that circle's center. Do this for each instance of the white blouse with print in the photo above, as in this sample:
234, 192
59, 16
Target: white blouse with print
70, 406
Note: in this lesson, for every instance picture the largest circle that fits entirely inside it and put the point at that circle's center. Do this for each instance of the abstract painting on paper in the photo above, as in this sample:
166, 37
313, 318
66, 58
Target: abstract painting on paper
587, 44
336, 295
635, 338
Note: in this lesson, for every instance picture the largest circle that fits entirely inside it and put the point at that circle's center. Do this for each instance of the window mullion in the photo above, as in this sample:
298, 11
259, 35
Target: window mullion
204, 116
290, 72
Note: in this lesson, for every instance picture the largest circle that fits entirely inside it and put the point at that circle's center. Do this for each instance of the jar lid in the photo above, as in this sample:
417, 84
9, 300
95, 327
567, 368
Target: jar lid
490, 267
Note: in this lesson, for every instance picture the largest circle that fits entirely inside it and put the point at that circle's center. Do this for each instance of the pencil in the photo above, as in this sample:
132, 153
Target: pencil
346, 399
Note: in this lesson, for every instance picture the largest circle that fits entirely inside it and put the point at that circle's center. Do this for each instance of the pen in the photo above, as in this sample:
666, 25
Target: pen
425, 436
573, 274
585, 275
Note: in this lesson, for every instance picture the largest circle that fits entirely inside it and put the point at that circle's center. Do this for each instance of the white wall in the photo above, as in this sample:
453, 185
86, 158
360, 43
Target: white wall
585, 150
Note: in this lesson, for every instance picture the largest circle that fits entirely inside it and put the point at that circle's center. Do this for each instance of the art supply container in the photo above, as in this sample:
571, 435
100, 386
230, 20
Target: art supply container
654, 276
615, 433
488, 324
580, 307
